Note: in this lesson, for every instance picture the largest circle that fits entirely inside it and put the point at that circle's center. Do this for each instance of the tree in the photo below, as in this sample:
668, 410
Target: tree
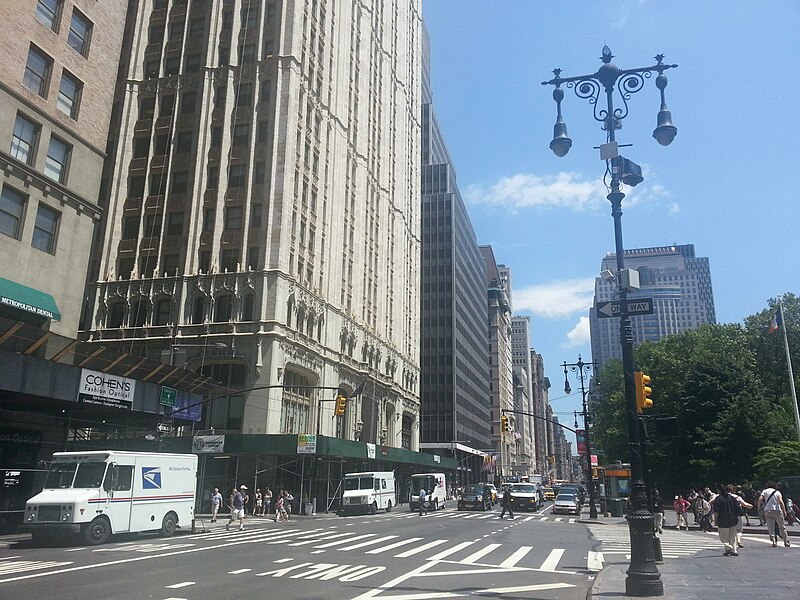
778, 460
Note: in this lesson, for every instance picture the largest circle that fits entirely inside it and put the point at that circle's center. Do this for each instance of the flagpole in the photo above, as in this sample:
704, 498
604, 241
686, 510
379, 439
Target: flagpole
789, 364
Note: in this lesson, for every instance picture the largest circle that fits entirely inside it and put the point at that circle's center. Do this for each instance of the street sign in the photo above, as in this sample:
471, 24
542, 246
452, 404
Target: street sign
168, 396
639, 306
164, 428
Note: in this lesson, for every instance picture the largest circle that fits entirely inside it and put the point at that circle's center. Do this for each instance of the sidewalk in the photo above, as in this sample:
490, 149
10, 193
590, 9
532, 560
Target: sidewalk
760, 571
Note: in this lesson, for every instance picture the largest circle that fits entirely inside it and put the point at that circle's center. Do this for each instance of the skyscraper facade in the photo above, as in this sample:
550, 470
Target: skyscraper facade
263, 203
56, 95
454, 390
525, 430
678, 281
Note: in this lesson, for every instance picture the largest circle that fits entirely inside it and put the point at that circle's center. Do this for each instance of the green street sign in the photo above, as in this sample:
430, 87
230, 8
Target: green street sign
168, 396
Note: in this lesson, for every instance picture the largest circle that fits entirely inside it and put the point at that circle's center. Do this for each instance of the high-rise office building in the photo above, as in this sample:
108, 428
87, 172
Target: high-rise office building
263, 203
56, 93
540, 385
454, 390
679, 284
525, 430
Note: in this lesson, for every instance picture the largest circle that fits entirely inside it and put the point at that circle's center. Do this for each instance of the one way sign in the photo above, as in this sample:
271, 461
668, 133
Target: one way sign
639, 306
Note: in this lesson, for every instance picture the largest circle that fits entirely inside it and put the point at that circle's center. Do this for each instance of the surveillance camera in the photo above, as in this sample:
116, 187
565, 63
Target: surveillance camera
607, 275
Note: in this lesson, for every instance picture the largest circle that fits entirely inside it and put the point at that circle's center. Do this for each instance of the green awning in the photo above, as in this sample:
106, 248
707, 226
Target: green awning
28, 299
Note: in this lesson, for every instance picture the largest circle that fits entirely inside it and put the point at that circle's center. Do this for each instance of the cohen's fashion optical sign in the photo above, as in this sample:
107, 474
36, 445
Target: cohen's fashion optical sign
104, 389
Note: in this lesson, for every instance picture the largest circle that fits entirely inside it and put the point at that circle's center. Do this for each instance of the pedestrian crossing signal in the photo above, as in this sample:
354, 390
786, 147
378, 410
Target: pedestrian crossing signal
341, 405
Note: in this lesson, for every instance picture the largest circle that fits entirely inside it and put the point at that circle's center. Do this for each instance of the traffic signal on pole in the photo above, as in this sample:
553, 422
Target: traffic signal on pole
643, 391
504, 423
341, 405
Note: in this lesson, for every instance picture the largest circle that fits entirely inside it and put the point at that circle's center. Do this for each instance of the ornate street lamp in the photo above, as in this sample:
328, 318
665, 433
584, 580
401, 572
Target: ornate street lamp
643, 578
582, 370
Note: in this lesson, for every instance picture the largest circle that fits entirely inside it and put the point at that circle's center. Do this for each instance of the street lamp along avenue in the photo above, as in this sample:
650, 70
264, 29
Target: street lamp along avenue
643, 578
582, 370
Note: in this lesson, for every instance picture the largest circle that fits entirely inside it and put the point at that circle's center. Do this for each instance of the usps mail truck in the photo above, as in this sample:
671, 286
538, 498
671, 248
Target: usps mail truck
368, 492
99, 493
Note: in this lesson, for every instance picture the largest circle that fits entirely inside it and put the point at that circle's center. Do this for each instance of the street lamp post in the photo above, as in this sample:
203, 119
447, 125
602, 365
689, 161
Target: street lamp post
582, 370
643, 578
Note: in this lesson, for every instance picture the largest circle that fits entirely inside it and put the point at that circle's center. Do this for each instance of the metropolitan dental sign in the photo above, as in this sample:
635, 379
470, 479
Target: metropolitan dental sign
104, 389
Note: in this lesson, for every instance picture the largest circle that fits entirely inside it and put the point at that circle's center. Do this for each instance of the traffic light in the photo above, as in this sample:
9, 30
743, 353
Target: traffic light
504, 423
341, 405
643, 391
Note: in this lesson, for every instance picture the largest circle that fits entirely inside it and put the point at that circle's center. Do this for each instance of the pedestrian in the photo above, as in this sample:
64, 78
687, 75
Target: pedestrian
288, 499
237, 507
267, 501
790, 516
726, 507
741, 511
704, 507
771, 500
423, 502
258, 506
681, 506
216, 504
507, 505
280, 507
658, 510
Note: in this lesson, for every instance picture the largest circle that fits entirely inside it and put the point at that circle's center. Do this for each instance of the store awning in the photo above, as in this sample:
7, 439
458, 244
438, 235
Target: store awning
21, 297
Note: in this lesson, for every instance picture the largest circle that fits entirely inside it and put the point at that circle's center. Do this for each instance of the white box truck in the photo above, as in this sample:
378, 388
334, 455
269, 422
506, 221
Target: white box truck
435, 486
99, 493
368, 492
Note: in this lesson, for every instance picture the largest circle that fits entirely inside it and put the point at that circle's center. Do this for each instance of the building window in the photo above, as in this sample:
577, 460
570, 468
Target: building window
138, 315
247, 54
255, 215
141, 147
130, 228
248, 307
236, 176
175, 223
45, 229
147, 107
180, 182
243, 94
162, 311
116, 314
169, 265
147, 266
261, 131
136, 187
167, 106
196, 27
260, 174
223, 308
228, 260
192, 63
266, 87
198, 310
241, 134
12, 209
252, 257
175, 31
48, 13
23, 142
172, 65
233, 217
188, 103
69, 95
249, 15
57, 162
80, 33
204, 261
37, 71
212, 177
152, 225
184, 143
208, 219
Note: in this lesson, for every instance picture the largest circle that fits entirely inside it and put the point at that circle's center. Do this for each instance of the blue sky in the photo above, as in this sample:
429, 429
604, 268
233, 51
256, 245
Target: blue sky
728, 183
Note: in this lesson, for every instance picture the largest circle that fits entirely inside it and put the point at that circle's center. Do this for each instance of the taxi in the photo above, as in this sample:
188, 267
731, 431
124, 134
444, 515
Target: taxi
549, 493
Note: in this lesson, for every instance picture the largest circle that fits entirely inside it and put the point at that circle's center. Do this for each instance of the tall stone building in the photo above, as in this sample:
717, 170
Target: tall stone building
525, 431
501, 381
56, 92
263, 215
540, 401
679, 284
454, 390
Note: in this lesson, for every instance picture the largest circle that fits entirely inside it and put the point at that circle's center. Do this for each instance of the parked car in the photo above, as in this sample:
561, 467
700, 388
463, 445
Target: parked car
525, 496
573, 488
476, 495
566, 503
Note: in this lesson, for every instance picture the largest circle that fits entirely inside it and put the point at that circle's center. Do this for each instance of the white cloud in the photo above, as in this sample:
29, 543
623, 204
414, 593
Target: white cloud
556, 299
579, 335
564, 190
673, 208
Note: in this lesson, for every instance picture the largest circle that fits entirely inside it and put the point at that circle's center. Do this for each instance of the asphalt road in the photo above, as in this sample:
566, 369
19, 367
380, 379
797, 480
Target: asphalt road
397, 556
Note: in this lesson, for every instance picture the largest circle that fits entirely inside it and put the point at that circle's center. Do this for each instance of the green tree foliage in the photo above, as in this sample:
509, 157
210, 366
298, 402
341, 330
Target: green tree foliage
728, 386
778, 460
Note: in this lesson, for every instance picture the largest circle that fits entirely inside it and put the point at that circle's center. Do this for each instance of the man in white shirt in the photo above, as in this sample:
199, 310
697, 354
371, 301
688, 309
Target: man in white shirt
771, 500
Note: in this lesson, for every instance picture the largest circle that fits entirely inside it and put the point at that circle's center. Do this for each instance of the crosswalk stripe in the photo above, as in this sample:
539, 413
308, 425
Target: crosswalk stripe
393, 546
518, 555
29, 565
450, 551
338, 542
368, 543
551, 562
544, 518
422, 548
475, 557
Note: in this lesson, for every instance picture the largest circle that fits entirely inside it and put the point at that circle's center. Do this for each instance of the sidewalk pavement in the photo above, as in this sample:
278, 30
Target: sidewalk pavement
760, 571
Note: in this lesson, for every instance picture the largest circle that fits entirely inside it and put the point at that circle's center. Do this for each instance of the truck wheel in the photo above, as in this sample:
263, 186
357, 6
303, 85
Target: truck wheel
168, 525
374, 508
97, 532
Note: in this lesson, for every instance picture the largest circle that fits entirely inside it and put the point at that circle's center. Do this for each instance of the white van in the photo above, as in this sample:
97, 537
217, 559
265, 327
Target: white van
368, 492
99, 493
435, 485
